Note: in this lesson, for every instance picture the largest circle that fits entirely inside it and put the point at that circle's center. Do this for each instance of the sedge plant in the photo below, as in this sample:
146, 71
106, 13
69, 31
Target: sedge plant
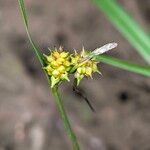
59, 64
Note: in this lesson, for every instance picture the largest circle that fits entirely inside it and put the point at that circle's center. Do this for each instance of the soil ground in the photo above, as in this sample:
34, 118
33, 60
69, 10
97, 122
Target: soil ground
28, 116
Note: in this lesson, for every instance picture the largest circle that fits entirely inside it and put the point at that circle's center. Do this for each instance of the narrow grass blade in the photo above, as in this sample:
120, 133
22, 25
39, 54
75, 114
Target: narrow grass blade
143, 70
59, 102
25, 19
23, 12
127, 26
71, 134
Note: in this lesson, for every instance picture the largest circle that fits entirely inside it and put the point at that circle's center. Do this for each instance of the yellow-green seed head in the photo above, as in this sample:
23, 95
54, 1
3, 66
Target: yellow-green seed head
85, 68
60, 64
57, 65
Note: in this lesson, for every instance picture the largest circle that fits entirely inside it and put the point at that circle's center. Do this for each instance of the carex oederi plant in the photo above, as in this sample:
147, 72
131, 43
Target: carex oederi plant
58, 64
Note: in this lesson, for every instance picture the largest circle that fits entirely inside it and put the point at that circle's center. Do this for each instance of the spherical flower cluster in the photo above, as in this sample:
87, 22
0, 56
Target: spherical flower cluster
83, 67
60, 64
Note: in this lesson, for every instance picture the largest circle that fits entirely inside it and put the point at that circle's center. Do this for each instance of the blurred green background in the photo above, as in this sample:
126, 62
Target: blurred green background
29, 119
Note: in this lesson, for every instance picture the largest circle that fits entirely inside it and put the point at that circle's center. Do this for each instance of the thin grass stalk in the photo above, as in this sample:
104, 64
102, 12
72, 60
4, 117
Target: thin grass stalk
67, 124
58, 100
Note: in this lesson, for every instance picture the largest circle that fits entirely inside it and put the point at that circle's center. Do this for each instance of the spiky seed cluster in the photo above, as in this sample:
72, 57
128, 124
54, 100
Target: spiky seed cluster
60, 64
85, 68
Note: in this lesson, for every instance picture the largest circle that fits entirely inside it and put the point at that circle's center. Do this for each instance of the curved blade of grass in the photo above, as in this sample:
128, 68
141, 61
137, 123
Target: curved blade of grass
127, 26
59, 102
25, 19
143, 70
69, 129
34, 46
23, 12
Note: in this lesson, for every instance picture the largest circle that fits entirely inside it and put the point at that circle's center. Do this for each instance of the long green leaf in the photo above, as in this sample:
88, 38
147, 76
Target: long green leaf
34, 47
25, 19
23, 12
66, 121
127, 26
59, 102
144, 70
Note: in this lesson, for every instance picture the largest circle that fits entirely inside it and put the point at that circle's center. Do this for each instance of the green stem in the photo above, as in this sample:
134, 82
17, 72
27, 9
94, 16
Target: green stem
67, 124
54, 90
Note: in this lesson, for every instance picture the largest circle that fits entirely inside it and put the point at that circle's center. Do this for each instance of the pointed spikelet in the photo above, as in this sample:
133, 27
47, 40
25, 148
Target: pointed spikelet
57, 66
86, 68
60, 64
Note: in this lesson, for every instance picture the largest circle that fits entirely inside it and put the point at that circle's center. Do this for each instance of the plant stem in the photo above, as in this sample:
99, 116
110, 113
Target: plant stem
67, 124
